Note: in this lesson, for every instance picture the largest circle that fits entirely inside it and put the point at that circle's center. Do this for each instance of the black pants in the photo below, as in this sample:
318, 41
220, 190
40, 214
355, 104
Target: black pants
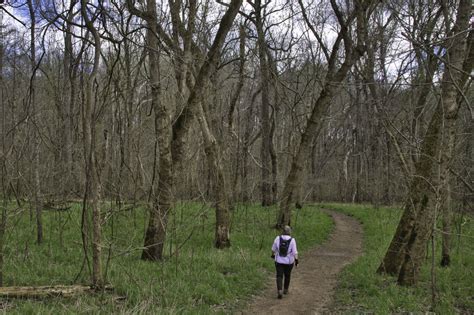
283, 270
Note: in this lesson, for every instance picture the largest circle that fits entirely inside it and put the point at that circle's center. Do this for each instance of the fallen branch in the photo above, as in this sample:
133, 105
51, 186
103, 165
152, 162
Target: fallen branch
48, 291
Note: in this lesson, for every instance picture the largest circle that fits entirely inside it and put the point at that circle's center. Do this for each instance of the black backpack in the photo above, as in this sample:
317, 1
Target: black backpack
284, 246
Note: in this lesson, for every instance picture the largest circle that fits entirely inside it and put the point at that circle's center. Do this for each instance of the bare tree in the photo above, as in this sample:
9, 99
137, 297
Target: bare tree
92, 184
32, 102
334, 76
407, 249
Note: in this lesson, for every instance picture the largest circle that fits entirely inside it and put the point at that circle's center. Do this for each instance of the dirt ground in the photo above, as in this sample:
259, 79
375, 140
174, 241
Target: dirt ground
314, 280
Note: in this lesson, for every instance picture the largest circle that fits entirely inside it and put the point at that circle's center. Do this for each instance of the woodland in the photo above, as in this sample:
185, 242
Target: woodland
142, 133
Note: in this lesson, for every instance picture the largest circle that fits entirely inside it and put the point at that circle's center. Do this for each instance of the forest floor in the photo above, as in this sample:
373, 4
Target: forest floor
314, 280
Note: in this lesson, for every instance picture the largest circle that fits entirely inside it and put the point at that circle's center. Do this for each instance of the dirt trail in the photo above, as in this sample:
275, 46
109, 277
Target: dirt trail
313, 281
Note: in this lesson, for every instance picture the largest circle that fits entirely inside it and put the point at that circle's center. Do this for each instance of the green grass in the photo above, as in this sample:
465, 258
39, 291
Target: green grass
361, 290
198, 279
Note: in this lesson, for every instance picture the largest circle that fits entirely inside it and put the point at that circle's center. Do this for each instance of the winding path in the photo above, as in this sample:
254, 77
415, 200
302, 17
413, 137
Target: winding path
314, 280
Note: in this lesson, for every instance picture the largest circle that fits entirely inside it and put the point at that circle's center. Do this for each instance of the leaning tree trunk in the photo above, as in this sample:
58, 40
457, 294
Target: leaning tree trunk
412, 235
331, 87
175, 144
193, 109
293, 180
420, 191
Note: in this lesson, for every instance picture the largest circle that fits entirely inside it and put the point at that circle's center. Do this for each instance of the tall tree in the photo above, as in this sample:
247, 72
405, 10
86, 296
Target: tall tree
162, 202
174, 145
335, 74
3, 161
408, 247
32, 103
265, 149
450, 142
192, 110
89, 120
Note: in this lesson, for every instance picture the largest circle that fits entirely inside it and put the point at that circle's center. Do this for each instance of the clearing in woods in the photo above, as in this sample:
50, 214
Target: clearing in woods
313, 281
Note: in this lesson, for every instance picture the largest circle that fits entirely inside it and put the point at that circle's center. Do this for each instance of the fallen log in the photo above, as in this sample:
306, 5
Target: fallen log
48, 291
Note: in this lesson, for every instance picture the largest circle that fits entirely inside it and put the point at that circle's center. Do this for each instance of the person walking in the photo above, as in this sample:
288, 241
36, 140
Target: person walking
285, 253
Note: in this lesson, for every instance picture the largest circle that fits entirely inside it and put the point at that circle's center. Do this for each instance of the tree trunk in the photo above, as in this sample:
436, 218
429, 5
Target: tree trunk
36, 136
221, 195
91, 169
331, 87
194, 109
420, 191
156, 231
446, 229
265, 152
452, 79
155, 234
69, 101
3, 166
311, 131
408, 247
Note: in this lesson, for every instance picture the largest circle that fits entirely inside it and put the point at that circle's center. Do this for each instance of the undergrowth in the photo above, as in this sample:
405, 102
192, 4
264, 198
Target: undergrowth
361, 290
193, 278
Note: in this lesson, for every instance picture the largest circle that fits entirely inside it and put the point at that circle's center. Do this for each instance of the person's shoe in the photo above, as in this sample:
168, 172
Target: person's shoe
285, 291
279, 295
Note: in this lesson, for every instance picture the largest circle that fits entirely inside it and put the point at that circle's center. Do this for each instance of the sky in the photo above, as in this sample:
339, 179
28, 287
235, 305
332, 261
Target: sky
19, 10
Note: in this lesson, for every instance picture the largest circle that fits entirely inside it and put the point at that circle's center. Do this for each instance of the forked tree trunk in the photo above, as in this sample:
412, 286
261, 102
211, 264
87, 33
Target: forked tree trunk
408, 248
193, 109
174, 146
452, 81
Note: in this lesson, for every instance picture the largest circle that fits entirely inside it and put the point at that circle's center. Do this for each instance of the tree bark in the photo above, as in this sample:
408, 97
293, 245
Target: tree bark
331, 87
3, 166
446, 229
265, 149
162, 200
36, 136
69, 102
221, 195
91, 170
408, 247
186, 118
173, 147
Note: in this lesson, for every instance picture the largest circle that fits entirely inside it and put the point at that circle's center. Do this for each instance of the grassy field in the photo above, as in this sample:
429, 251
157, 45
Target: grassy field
194, 277
362, 291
